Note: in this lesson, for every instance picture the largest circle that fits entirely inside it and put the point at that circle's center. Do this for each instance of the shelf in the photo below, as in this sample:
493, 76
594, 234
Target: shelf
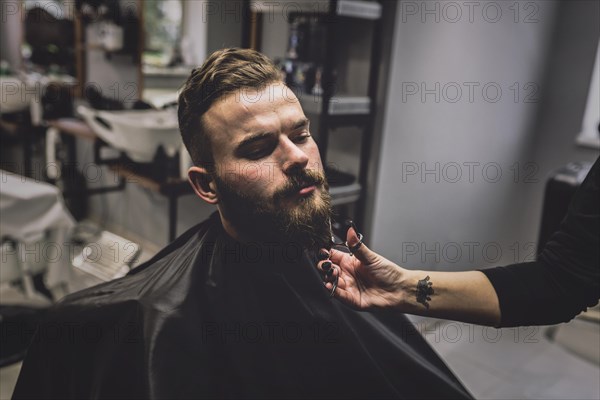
358, 9
362, 24
159, 97
288, 6
181, 71
338, 105
345, 8
344, 194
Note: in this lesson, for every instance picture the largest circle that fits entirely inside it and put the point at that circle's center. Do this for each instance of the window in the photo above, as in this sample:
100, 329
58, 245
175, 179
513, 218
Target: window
590, 134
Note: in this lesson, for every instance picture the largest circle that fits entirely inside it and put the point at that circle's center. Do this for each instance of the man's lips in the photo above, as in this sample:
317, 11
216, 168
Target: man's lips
299, 187
307, 189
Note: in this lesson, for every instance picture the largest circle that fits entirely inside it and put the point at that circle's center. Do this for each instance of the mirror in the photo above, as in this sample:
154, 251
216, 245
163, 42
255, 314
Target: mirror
175, 37
162, 28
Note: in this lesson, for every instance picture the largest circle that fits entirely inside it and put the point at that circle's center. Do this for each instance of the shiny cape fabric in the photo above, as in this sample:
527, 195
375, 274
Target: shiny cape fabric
208, 317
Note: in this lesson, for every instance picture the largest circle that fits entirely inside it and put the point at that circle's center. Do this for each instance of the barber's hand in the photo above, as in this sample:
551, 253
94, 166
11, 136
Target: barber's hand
365, 280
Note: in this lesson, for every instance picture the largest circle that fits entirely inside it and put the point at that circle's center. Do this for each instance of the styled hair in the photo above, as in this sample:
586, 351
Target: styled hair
224, 72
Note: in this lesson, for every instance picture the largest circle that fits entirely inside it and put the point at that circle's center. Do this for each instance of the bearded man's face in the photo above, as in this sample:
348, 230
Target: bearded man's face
268, 174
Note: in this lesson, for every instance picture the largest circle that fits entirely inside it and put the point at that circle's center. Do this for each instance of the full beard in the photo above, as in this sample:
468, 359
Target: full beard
305, 223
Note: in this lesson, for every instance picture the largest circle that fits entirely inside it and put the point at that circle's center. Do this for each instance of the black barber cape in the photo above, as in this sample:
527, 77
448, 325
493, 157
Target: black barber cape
208, 317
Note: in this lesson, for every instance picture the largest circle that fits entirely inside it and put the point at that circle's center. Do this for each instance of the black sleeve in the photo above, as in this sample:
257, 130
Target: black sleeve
565, 279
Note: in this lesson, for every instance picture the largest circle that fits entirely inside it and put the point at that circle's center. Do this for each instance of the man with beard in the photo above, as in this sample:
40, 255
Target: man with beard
233, 308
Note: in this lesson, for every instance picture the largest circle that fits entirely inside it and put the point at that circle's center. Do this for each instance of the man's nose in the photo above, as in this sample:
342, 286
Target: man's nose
293, 157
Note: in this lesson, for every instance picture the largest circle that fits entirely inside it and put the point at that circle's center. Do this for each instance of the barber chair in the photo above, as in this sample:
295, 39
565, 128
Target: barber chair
34, 233
21, 305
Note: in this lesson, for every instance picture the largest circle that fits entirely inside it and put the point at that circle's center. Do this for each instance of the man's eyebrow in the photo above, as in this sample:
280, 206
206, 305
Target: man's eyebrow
304, 122
254, 138
266, 135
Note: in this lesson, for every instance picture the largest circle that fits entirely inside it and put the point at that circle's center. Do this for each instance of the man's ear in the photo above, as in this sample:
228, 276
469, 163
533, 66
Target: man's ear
203, 184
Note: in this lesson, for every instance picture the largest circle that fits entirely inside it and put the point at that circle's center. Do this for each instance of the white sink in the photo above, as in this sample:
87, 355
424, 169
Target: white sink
138, 133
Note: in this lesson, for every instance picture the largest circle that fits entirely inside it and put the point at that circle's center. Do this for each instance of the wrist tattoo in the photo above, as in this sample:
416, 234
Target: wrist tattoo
424, 290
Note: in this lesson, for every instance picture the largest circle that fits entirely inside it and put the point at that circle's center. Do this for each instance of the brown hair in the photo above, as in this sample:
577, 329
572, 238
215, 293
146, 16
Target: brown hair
224, 72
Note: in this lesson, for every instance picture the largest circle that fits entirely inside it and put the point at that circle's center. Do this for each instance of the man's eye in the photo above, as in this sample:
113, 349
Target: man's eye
261, 151
258, 150
301, 138
257, 154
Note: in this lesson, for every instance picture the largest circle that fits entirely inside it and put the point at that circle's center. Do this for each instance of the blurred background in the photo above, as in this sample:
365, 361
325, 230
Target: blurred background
454, 133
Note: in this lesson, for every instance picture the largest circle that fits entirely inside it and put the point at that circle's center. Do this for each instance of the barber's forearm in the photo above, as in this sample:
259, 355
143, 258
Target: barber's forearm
462, 296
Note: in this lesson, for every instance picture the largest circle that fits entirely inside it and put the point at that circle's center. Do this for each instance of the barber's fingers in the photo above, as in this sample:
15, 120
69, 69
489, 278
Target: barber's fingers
363, 253
334, 262
341, 292
329, 271
333, 255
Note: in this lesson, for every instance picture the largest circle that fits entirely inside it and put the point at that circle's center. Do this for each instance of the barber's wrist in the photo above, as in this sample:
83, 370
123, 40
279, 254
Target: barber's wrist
406, 292
407, 300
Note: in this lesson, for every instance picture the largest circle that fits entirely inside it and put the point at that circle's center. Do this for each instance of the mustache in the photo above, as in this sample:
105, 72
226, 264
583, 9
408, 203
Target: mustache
298, 181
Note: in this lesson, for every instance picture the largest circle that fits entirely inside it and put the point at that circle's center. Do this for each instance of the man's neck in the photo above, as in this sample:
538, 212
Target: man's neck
231, 230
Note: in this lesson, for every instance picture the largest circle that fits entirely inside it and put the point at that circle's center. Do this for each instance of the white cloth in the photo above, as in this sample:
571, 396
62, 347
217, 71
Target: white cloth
33, 213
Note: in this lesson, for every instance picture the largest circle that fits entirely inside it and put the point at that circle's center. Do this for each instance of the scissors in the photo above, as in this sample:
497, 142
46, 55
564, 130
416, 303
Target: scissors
343, 246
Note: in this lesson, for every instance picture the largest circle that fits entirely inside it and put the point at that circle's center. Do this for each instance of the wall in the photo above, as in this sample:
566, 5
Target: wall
116, 76
11, 31
570, 65
463, 214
